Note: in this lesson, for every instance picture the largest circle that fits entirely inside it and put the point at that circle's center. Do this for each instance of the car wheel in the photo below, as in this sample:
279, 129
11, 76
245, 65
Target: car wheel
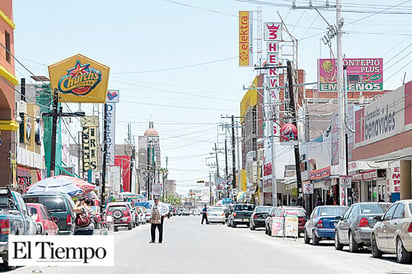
353, 246
7, 266
306, 238
252, 227
130, 226
115, 229
338, 245
315, 239
376, 253
402, 256
234, 224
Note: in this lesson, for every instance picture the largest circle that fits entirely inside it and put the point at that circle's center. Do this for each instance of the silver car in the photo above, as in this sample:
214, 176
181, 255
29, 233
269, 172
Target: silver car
216, 214
355, 227
393, 232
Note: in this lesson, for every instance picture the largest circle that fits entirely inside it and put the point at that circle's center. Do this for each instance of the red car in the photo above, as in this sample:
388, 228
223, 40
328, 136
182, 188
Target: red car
45, 223
120, 214
300, 211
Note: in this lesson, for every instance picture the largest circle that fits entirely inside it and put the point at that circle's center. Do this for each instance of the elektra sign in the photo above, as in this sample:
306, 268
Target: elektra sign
27, 250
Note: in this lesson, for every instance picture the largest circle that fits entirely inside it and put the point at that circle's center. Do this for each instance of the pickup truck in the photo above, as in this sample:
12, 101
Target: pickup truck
14, 220
241, 215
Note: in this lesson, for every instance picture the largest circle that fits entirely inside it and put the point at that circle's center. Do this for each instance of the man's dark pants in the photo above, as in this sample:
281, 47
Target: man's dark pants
160, 228
204, 217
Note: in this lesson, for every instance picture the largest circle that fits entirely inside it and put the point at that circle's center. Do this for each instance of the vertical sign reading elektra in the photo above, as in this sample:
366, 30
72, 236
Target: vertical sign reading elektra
90, 126
245, 39
111, 100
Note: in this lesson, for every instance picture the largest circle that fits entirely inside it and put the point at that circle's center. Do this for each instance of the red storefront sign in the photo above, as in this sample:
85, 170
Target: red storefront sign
319, 173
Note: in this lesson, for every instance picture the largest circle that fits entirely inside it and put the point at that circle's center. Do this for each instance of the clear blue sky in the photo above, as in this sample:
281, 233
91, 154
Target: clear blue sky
175, 62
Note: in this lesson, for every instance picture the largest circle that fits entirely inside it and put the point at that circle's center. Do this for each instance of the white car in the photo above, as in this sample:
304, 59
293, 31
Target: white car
216, 214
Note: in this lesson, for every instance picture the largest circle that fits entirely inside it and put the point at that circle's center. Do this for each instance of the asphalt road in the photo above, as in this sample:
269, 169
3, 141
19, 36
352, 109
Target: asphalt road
190, 247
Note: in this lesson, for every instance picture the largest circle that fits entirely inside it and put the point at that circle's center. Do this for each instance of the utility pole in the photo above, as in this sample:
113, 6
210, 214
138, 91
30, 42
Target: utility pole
55, 114
292, 107
226, 167
233, 153
217, 162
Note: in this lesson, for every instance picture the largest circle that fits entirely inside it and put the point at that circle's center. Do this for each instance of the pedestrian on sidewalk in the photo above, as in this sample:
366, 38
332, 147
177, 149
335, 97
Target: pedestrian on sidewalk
159, 210
204, 215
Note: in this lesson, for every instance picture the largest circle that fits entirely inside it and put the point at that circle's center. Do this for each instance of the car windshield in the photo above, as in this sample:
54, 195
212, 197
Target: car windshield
332, 211
121, 207
244, 207
410, 207
264, 209
53, 204
374, 208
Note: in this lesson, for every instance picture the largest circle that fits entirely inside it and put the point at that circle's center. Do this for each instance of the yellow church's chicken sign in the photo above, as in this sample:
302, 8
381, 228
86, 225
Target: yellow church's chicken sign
80, 79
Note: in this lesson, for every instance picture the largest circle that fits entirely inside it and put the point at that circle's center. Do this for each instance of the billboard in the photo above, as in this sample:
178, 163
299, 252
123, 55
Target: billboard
245, 39
363, 74
80, 79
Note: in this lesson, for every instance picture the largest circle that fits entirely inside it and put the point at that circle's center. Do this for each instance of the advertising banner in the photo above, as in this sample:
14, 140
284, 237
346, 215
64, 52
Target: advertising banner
245, 38
90, 140
363, 74
277, 226
80, 79
112, 99
291, 225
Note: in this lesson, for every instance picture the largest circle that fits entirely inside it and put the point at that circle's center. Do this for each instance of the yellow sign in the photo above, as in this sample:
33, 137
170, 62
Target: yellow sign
80, 79
249, 99
245, 39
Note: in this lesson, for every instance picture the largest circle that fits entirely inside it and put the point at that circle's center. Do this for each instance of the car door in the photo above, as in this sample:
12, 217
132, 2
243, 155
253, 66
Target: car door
382, 232
309, 225
343, 229
394, 226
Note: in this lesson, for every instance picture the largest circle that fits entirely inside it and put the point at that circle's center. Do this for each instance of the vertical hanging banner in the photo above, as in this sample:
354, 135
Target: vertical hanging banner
90, 125
112, 99
245, 39
80, 79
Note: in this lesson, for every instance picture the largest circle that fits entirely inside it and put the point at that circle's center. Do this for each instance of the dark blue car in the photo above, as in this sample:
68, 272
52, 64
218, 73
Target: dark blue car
321, 225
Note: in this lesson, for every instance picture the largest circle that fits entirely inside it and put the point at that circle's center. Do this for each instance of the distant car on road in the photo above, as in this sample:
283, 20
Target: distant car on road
259, 216
393, 232
268, 220
355, 227
216, 215
321, 224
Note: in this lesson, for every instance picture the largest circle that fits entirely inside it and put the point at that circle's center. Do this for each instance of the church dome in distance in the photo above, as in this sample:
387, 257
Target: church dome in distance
151, 132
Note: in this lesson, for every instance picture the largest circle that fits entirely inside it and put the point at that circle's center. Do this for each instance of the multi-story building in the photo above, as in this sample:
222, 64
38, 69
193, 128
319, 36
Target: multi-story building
8, 82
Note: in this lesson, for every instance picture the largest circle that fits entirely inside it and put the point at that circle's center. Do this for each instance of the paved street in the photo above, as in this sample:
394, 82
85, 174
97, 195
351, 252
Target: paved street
193, 248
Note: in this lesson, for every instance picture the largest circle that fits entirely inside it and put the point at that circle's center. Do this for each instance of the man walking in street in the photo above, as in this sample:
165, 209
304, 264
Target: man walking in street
204, 214
159, 211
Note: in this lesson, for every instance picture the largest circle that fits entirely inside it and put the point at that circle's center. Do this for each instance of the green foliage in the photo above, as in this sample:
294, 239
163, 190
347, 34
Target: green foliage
173, 200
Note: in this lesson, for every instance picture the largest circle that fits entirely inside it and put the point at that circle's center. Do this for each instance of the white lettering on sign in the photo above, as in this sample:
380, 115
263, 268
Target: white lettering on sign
370, 175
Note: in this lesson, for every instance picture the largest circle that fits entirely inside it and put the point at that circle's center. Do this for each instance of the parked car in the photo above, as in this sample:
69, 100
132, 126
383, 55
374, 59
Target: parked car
121, 213
355, 227
259, 216
14, 220
216, 214
321, 224
393, 232
44, 222
60, 207
268, 220
300, 211
241, 215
